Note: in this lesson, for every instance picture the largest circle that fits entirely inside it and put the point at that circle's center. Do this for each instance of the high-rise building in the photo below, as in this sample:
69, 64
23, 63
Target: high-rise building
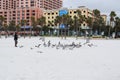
51, 4
17, 10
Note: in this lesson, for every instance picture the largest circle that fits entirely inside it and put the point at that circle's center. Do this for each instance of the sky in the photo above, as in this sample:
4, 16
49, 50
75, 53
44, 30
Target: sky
105, 6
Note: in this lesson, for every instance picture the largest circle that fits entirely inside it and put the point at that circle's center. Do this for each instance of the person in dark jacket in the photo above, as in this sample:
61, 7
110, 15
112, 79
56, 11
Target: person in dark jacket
16, 39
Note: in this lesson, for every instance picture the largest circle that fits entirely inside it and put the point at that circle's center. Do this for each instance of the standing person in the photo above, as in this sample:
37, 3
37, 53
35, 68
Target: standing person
16, 39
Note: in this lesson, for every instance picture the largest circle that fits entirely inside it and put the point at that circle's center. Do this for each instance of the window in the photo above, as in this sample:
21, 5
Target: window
27, 10
27, 17
18, 18
33, 11
33, 14
75, 12
22, 17
18, 14
26, 5
52, 13
48, 13
27, 14
83, 24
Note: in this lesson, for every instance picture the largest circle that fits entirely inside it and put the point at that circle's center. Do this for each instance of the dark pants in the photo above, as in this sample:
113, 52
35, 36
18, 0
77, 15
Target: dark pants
16, 43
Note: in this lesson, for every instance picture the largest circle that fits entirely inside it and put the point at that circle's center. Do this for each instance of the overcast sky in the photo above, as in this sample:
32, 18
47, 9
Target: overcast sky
105, 6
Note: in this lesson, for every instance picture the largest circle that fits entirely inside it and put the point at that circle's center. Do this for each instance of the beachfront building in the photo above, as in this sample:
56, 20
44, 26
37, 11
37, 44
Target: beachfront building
86, 12
17, 10
51, 4
52, 14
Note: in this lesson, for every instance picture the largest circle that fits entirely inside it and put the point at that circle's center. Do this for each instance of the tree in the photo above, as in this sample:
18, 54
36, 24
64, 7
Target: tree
23, 23
17, 27
2, 19
75, 23
66, 19
89, 21
98, 22
33, 24
11, 25
45, 29
42, 22
50, 24
57, 22
69, 23
79, 19
96, 13
106, 30
112, 16
117, 26
6, 30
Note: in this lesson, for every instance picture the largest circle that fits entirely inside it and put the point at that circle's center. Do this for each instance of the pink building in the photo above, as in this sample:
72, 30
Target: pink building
51, 4
18, 10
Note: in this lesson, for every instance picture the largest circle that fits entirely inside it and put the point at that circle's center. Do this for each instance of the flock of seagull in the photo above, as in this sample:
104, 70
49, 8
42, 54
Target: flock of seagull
60, 45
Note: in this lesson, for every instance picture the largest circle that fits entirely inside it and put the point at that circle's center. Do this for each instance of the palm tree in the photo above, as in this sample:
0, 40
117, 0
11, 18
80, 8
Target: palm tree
79, 19
75, 24
2, 19
57, 22
117, 25
112, 16
89, 21
69, 23
23, 23
5, 29
11, 25
33, 24
96, 20
17, 27
42, 22
50, 23
66, 20
96, 13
